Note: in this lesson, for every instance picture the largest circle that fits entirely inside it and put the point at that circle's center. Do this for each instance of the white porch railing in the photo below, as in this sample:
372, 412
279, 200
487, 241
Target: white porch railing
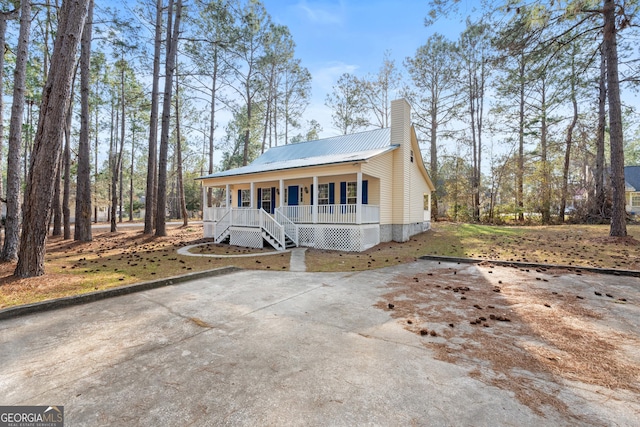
332, 214
290, 228
222, 226
272, 227
297, 214
214, 213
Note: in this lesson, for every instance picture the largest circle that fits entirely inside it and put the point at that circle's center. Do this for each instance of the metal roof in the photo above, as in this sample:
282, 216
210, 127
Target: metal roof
340, 149
632, 177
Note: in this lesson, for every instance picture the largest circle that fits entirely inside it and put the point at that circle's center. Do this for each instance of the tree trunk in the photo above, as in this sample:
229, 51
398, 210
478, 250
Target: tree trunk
122, 134
12, 224
45, 158
520, 163
569, 140
133, 157
151, 189
66, 193
618, 213
599, 207
56, 204
546, 181
172, 45
82, 231
433, 161
181, 199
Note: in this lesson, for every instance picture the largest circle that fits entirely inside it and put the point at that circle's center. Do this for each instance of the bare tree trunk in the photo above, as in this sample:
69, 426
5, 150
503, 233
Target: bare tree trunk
181, 200
618, 213
599, 208
172, 46
520, 163
569, 140
546, 180
133, 157
151, 189
66, 194
4, 17
82, 231
122, 134
45, 158
433, 154
12, 224
57, 205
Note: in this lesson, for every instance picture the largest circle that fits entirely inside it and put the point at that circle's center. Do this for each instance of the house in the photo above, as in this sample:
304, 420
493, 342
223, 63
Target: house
345, 193
632, 189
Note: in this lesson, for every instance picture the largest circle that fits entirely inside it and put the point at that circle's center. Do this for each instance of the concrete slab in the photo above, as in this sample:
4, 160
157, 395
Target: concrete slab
258, 348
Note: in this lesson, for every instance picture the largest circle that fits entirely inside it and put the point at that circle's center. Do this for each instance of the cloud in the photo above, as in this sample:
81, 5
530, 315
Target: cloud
325, 77
323, 13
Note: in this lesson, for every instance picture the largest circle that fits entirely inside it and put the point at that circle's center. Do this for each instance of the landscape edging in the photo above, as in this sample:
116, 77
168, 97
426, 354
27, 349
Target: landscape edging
576, 268
54, 304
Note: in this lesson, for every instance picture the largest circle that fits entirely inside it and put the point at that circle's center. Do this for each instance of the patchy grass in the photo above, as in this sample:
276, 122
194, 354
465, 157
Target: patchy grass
123, 258
584, 245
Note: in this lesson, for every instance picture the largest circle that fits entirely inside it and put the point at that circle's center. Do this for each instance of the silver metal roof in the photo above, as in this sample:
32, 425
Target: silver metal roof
340, 149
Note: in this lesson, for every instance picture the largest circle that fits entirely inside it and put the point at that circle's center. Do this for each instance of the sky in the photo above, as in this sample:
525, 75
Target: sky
338, 36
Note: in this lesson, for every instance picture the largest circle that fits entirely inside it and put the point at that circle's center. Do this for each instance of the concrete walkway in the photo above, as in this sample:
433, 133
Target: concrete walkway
297, 262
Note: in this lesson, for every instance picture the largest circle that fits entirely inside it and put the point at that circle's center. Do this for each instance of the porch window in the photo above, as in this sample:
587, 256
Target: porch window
352, 193
286, 196
265, 199
245, 198
635, 200
323, 194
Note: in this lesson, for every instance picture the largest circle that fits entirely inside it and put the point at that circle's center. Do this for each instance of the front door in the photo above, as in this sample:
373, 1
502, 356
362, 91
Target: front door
292, 195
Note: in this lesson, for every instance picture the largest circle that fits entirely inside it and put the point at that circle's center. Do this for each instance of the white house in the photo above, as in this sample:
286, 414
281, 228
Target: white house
346, 193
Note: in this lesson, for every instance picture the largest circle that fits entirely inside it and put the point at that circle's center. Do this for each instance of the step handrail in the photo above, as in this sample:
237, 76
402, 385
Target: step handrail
290, 227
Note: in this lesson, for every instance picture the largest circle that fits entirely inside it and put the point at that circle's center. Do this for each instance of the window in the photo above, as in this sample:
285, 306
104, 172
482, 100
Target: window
286, 196
352, 193
246, 198
635, 200
266, 199
323, 194
411, 156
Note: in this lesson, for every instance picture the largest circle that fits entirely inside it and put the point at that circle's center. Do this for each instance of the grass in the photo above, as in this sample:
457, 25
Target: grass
122, 258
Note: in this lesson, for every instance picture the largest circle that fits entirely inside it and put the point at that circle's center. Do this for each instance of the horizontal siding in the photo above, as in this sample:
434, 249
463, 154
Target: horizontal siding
381, 167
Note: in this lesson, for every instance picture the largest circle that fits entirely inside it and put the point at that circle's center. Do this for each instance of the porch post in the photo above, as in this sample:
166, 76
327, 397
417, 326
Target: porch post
205, 211
281, 192
227, 197
359, 199
314, 197
251, 192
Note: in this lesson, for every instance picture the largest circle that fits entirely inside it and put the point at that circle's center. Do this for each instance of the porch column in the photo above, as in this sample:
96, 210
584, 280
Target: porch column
281, 193
252, 192
359, 199
314, 197
227, 197
429, 208
205, 211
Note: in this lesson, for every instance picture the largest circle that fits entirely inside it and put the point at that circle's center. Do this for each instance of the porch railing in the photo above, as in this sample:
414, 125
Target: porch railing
272, 227
290, 228
222, 226
214, 213
332, 214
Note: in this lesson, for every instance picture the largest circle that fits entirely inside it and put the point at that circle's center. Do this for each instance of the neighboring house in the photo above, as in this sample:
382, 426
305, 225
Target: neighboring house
632, 189
345, 193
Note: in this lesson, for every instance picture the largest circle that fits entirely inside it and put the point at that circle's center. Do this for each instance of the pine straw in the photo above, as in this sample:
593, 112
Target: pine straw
530, 355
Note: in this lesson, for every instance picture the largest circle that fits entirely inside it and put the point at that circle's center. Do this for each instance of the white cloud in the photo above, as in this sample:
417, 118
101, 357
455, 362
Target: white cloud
323, 13
326, 76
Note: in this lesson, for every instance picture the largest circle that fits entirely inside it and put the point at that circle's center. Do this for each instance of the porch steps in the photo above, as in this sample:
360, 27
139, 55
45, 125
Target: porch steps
224, 237
272, 241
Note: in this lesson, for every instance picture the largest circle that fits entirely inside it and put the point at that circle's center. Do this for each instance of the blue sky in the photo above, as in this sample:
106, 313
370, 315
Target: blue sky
337, 36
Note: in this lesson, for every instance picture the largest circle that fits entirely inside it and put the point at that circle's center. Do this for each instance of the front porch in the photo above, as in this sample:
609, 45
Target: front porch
345, 227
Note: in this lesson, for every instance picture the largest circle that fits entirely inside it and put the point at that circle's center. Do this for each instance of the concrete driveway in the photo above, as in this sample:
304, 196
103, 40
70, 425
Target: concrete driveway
264, 348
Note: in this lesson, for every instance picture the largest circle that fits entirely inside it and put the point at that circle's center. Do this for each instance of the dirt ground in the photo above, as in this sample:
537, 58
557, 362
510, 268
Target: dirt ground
530, 333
